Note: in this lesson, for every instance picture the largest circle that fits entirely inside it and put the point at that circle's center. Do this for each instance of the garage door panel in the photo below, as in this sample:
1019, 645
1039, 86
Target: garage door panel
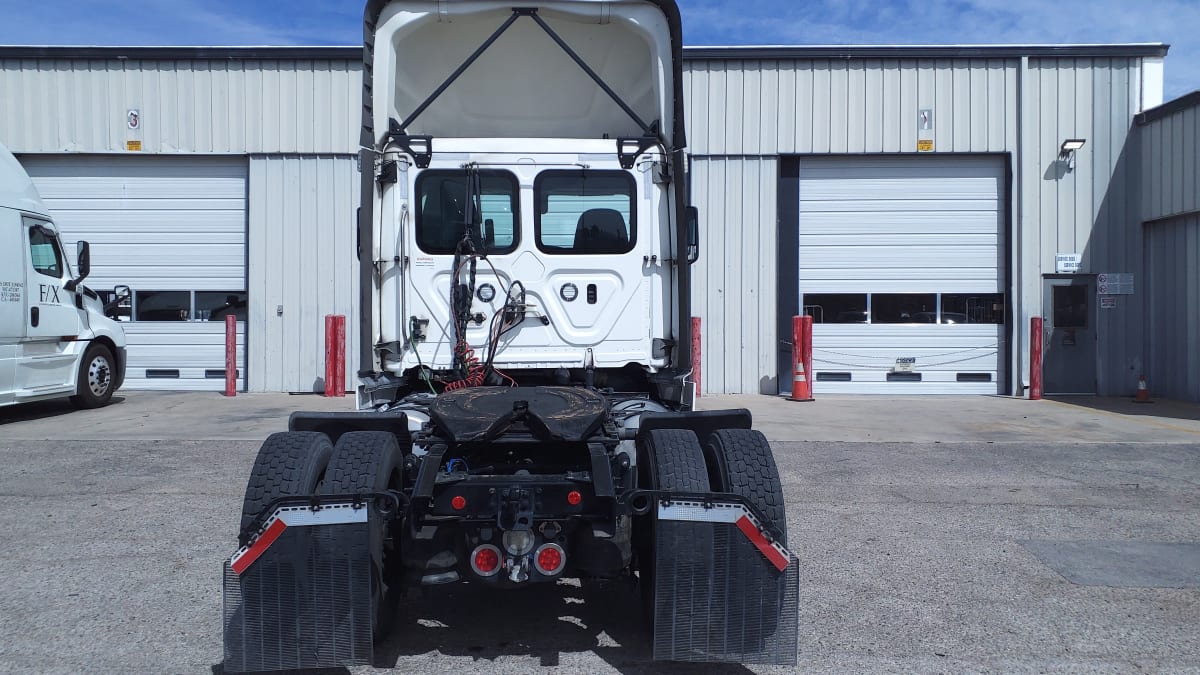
899, 207
877, 227
76, 202
944, 222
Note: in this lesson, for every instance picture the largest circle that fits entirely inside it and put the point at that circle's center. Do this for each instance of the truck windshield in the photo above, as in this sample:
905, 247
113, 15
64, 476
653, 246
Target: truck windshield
442, 211
586, 212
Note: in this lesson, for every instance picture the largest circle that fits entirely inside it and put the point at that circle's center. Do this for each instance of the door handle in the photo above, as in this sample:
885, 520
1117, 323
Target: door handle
34, 316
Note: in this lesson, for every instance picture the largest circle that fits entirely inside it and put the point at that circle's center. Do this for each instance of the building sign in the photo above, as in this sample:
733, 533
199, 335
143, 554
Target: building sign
133, 119
1108, 302
925, 119
1114, 284
925, 145
905, 364
1067, 263
133, 146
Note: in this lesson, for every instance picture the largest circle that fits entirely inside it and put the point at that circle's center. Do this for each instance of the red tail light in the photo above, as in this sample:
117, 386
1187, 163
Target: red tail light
485, 560
573, 497
550, 559
459, 502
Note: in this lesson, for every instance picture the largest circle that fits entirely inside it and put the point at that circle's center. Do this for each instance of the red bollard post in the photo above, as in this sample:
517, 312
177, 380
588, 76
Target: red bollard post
340, 339
1035, 359
231, 355
801, 359
696, 354
335, 356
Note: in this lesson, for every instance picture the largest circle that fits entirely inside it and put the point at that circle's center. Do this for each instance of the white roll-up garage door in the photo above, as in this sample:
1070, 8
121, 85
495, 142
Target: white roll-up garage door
901, 264
174, 230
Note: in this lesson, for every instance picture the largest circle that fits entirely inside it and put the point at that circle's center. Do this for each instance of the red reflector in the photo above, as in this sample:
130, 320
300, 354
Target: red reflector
573, 498
459, 503
549, 560
487, 560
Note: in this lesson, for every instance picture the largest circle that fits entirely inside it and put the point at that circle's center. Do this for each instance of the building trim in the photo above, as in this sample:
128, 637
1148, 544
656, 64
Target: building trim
346, 53
1169, 108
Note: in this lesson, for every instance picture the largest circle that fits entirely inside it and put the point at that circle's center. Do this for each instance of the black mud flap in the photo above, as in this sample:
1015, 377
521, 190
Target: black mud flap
723, 591
299, 595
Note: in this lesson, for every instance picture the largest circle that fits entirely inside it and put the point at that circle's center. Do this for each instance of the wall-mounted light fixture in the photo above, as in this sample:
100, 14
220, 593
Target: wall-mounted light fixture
1067, 151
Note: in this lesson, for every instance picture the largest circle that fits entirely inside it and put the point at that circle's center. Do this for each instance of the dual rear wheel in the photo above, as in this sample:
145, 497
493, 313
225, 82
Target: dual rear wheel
303, 463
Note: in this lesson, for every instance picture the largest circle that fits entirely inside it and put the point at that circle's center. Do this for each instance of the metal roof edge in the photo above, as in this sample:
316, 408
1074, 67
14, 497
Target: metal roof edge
1169, 108
753, 52
253, 53
1151, 49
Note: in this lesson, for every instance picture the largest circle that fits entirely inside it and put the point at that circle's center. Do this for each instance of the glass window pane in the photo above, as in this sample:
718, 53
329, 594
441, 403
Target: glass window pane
441, 218
1070, 307
836, 307
973, 308
586, 212
44, 252
216, 305
903, 308
163, 305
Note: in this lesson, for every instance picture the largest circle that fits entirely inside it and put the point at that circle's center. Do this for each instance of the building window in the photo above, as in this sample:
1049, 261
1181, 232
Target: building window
1070, 307
973, 308
836, 307
442, 214
585, 212
189, 305
904, 308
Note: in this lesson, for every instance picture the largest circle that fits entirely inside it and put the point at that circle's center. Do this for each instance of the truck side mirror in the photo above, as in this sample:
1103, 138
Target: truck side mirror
83, 260
693, 233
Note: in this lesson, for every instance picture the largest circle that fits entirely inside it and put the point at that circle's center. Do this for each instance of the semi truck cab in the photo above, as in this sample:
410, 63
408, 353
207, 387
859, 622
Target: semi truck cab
55, 340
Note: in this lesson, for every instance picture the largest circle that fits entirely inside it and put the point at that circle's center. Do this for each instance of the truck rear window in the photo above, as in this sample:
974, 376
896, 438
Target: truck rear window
585, 212
442, 208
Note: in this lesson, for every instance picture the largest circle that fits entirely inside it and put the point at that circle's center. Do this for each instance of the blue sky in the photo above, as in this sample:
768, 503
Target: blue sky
706, 22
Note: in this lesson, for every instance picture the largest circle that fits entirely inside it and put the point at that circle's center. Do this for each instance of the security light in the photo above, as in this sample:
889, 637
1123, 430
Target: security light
1067, 151
1071, 145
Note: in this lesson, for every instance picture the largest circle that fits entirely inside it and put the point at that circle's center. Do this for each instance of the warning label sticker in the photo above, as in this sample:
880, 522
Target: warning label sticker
11, 291
925, 145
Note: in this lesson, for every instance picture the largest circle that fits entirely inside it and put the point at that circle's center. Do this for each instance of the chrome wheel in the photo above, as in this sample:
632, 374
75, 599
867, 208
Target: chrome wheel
99, 374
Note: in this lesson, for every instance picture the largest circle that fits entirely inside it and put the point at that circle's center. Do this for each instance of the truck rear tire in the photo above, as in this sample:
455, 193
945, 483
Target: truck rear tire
97, 379
370, 461
289, 464
751, 473
676, 462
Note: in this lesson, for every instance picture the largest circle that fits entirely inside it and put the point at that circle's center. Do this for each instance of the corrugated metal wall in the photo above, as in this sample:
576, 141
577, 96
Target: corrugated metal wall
736, 284
1170, 165
196, 106
1173, 285
849, 105
1090, 210
745, 111
303, 265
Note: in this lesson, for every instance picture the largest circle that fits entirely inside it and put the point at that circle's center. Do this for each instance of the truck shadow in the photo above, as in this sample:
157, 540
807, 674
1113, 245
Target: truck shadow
553, 623
29, 412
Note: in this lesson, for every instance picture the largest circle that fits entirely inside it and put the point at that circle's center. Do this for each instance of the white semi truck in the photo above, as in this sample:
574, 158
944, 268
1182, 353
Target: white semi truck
55, 339
525, 409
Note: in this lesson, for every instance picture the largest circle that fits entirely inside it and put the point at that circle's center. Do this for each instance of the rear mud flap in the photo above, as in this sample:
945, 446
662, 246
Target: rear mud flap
299, 596
723, 593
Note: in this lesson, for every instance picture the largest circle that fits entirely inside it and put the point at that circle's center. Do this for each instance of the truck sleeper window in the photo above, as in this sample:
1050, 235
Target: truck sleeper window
585, 212
442, 208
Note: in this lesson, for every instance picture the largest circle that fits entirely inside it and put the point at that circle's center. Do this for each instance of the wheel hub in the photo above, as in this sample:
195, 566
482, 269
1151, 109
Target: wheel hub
99, 375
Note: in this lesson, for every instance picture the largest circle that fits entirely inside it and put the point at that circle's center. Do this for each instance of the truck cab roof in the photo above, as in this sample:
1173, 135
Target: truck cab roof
16, 189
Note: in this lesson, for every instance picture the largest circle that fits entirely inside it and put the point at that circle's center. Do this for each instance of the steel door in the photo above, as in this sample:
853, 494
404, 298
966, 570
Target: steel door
1069, 352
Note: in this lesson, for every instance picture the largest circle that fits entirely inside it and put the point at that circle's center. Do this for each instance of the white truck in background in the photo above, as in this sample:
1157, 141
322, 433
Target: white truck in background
55, 339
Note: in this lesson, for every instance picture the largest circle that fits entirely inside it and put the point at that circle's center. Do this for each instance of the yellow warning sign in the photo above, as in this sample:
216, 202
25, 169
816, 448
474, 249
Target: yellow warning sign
925, 145
133, 146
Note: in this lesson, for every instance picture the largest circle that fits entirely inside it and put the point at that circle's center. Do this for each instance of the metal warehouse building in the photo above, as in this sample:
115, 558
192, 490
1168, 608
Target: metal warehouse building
921, 203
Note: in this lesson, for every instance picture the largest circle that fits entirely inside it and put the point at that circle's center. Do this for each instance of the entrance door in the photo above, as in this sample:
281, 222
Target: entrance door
1069, 350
